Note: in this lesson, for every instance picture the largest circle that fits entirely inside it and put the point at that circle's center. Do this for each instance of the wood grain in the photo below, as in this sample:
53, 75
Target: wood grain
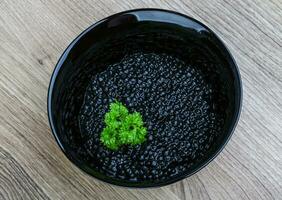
15, 181
33, 34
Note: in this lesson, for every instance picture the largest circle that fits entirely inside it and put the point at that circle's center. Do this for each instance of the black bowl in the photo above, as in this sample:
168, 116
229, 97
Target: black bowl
145, 30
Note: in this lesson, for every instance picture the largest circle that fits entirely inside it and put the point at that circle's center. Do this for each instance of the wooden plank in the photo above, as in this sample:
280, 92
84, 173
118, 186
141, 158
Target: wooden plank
33, 34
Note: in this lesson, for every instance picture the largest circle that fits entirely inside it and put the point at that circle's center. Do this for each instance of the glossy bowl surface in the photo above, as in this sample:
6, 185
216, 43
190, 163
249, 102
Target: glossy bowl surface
107, 41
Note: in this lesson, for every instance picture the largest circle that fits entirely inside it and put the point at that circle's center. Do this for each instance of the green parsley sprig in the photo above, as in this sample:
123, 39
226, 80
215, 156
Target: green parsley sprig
122, 127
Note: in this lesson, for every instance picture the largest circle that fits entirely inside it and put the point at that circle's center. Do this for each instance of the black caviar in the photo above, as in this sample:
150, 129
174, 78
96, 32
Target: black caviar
178, 108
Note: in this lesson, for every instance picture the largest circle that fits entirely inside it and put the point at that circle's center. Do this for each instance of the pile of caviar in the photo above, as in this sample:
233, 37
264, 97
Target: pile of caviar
177, 107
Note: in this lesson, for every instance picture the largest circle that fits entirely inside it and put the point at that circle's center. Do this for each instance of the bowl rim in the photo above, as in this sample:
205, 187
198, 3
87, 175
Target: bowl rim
238, 107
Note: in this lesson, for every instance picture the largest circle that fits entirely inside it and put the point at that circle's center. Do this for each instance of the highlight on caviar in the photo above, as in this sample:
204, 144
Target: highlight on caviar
145, 125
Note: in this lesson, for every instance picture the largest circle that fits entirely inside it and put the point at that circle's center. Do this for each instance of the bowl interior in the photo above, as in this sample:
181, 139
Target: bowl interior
148, 31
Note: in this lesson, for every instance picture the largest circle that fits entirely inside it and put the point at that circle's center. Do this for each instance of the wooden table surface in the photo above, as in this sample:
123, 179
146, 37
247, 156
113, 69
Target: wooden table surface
33, 35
